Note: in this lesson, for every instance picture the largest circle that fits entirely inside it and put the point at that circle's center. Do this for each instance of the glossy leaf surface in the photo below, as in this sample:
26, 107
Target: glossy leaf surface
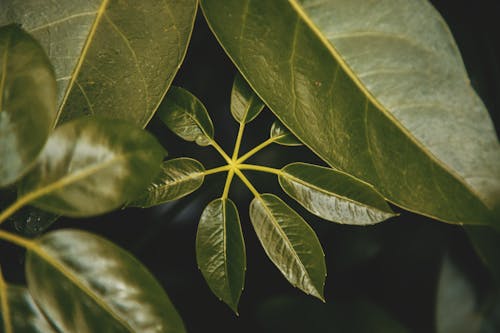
91, 166
245, 104
178, 177
85, 283
333, 195
111, 58
25, 316
27, 102
282, 135
377, 89
220, 251
186, 116
290, 243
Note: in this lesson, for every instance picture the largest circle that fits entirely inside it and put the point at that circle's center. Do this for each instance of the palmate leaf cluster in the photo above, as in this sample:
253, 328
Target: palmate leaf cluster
377, 90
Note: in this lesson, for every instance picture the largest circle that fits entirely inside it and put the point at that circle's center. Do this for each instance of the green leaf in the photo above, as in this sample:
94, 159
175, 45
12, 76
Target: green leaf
486, 242
456, 306
111, 58
282, 135
245, 104
290, 243
334, 195
186, 116
27, 102
91, 166
220, 251
24, 314
178, 177
31, 221
85, 283
376, 89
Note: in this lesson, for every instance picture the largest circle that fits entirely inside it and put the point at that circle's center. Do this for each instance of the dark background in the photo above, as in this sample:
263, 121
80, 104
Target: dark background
376, 275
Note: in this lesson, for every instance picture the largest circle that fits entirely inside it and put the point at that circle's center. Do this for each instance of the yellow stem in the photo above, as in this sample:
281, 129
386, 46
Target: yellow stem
255, 150
17, 240
229, 178
221, 151
18, 204
4, 301
247, 183
238, 141
260, 168
216, 170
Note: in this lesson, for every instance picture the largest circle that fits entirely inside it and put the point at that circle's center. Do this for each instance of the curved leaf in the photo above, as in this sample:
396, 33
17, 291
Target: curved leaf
91, 166
377, 89
111, 58
85, 283
186, 116
282, 135
27, 102
220, 251
290, 243
245, 104
31, 221
178, 177
333, 195
24, 314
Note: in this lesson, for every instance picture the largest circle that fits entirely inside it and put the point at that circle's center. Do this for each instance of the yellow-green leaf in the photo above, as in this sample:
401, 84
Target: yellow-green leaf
245, 104
282, 135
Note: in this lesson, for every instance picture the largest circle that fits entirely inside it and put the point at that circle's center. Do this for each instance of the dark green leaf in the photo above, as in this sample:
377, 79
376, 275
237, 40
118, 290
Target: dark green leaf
111, 58
245, 104
186, 116
375, 88
486, 242
27, 102
290, 243
91, 166
333, 195
282, 135
31, 221
220, 251
24, 315
178, 177
85, 283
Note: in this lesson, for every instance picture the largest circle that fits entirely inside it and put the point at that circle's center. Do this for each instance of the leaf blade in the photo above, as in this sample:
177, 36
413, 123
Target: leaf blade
282, 135
116, 293
91, 166
222, 262
333, 195
290, 243
27, 102
245, 104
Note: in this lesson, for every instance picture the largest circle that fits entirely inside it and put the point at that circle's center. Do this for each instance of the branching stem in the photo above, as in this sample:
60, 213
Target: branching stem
255, 150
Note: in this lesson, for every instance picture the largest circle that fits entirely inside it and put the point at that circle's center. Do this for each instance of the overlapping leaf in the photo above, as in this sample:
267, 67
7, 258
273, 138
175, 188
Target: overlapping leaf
91, 166
220, 251
84, 283
282, 135
111, 58
333, 195
290, 243
178, 177
377, 89
245, 104
186, 116
27, 102
24, 314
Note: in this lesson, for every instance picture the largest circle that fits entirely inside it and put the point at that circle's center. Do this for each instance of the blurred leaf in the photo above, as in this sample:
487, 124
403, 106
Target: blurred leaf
245, 104
111, 58
282, 135
290, 243
220, 251
456, 305
25, 317
84, 283
186, 116
334, 195
91, 166
486, 242
27, 102
178, 177
377, 89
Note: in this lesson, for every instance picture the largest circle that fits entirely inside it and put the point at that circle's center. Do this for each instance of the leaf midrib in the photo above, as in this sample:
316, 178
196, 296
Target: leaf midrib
4, 69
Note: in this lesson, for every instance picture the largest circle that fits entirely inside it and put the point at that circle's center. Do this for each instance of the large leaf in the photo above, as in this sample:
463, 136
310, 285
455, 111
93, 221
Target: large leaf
111, 58
186, 116
91, 166
24, 315
333, 195
85, 283
220, 251
282, 135
377, 89
290, 243
245, 104
27, 102
178, 177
